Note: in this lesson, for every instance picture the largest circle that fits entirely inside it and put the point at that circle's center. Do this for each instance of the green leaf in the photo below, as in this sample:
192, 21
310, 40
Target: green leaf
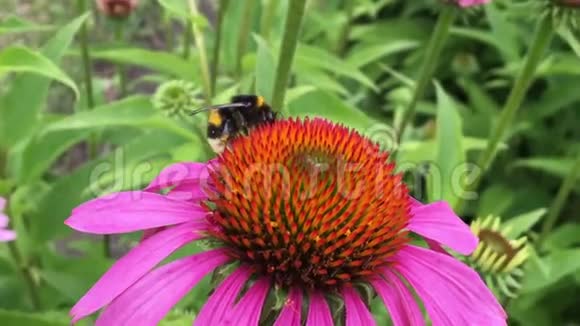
164, 62
21, 105
368, 54
14, 24
30, 159
19, 318
309, 56
563, 237
523, 223
559, 167
177, 8
325, 105
558, 264
444, 181
21, 59
265, 69
71, 190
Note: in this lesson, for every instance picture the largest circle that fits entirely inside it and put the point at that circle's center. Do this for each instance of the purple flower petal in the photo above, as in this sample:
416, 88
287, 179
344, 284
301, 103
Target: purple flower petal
7, 235
188, 191
399, 301
452, 293
131, 211
150, 299
220, 303
291, 313
357, 312
3, 220
136, 263
177, 174
247, 311
318, 311
438, 222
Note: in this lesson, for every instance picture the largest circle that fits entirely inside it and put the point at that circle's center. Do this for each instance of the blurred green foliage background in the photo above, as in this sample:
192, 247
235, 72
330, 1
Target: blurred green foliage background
356, 62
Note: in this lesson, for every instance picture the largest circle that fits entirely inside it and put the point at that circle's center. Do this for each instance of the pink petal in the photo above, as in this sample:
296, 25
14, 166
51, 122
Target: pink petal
188, 191
136, 263
452, 293
131, 211
179, 173
292, 311
3, 220
357, 312
399, 301
222, 300
438, 222
150, 299
318, 311
436, 246
7, 235
247, 312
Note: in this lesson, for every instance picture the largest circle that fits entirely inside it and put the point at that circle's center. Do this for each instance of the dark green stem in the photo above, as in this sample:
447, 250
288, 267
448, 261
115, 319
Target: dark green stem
200, 45
430, 60
558, 204
121, 73
289, 43
218, 43
23, 268
267, 18
244, 33
541, 41
345, 30
187, 39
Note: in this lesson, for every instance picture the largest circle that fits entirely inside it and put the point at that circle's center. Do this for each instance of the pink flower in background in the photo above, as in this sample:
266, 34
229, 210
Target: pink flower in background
5, 235
469, 3
283, 207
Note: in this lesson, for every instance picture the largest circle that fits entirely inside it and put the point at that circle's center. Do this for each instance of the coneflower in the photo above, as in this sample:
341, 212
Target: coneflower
301, 208
498, 258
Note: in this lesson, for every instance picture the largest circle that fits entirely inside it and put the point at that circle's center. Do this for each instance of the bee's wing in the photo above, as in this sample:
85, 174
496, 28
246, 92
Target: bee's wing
217, 107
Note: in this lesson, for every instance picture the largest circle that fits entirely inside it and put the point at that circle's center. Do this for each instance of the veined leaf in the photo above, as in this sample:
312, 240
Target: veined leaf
363, 56
20, 107
21, 59
156, 60
14, 24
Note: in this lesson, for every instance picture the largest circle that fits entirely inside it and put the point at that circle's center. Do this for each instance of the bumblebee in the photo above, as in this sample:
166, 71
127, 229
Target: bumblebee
228, 121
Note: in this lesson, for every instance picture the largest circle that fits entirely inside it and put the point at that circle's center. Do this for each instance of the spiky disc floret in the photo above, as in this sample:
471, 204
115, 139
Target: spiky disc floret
309, 203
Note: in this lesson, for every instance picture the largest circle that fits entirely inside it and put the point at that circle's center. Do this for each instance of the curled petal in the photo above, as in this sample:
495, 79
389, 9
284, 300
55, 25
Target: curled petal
438, 222
357, 312
136, 263
402, 307
215, 310
147, 301
3, 220
177, 174
131, 211
452, 293
291, 313
318, 311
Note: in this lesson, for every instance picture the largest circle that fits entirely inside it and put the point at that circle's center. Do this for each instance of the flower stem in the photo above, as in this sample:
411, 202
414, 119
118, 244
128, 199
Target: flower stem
120, 67
565, 189
187, 39
23, 268
244, 33
430, 61
540, 43
200, 44
287, 50
218, 43
345, 30
267, 18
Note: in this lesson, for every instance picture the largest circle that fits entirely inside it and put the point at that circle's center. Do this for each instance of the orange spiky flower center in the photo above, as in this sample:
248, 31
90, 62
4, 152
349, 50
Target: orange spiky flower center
308, 202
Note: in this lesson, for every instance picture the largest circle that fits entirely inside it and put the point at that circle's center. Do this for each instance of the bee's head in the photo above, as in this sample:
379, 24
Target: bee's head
250, 100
